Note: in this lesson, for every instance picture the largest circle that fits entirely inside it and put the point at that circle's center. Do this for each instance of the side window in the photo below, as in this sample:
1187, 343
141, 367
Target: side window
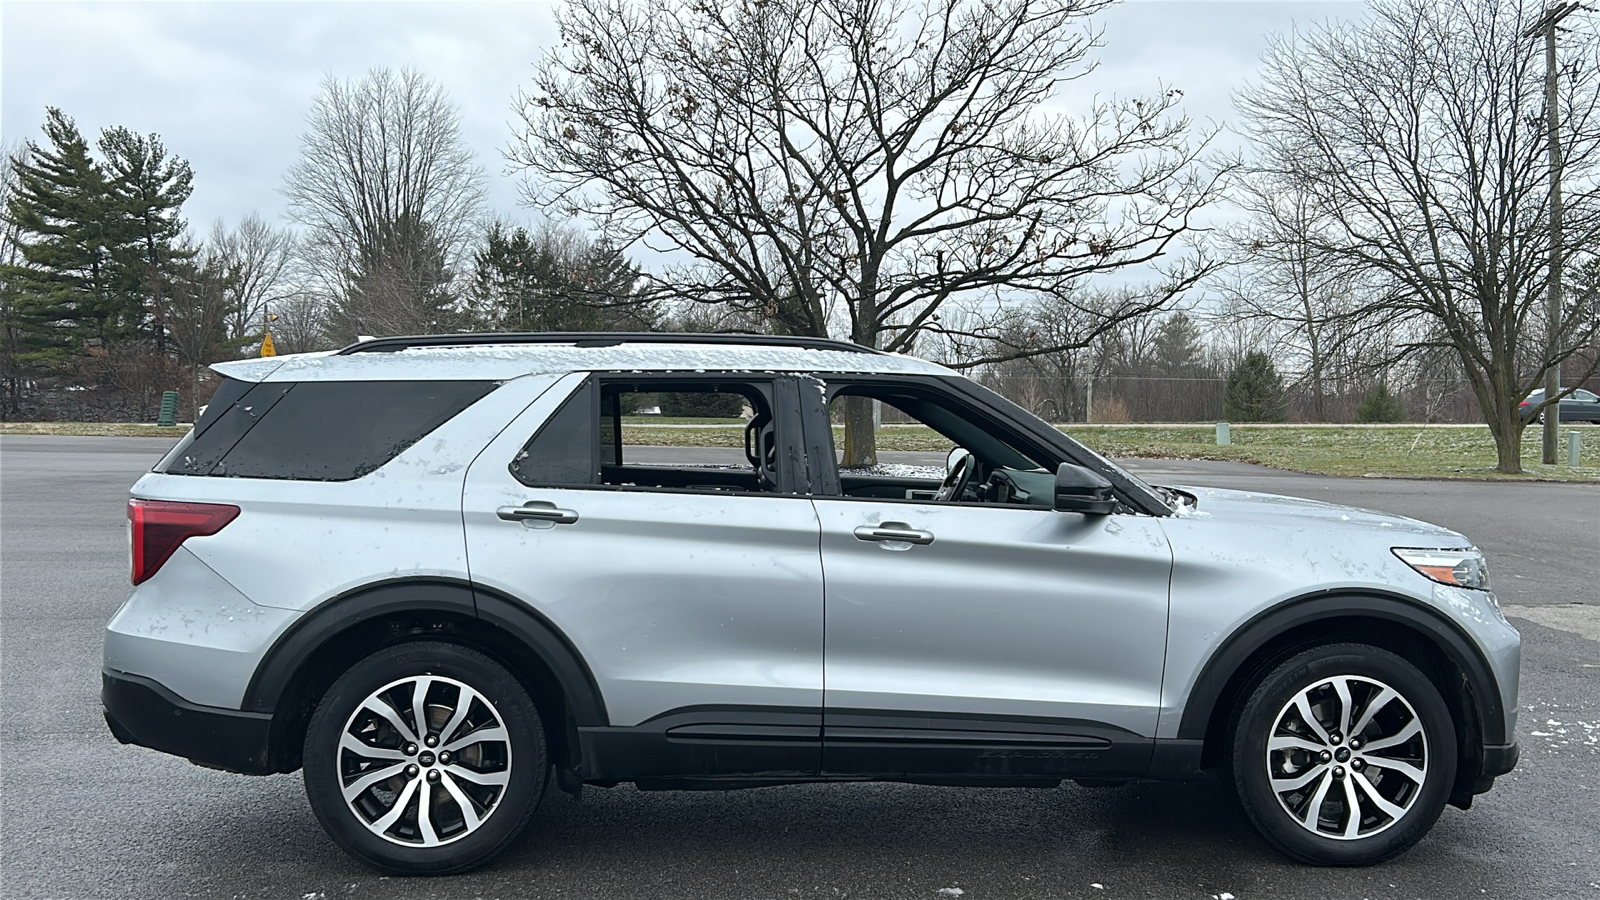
929, 448
234, 410
564, 449
320, 430
697, 434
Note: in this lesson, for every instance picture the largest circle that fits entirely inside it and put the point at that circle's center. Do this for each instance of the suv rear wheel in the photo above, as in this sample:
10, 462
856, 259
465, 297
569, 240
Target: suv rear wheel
425, 758
1344, 755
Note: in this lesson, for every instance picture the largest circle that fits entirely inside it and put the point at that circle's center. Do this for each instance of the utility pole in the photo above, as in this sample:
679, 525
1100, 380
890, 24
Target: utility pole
1552, 375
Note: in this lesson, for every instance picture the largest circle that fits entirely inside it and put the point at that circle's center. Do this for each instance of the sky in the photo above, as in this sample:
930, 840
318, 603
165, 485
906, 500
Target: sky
227, 83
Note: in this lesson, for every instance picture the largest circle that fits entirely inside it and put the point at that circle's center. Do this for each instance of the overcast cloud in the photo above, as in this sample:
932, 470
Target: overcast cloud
227, 83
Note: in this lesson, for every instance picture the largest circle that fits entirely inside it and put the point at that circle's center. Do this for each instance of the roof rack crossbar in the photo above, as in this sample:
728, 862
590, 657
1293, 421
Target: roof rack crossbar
597, 339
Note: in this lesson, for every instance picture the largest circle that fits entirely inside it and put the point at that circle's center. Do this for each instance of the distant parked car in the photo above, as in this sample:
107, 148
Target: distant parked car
1578, 406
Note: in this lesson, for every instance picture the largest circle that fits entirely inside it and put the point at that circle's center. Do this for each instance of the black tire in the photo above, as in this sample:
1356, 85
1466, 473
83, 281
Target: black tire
1321, 677
448, 842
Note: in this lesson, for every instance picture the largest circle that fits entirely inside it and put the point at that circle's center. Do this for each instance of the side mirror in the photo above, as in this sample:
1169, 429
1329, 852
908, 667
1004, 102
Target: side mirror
1081, 491
955, 457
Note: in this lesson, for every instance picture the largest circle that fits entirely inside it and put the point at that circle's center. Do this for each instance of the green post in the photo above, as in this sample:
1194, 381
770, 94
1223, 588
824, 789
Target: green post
1574, 439
1223, 438
169, 408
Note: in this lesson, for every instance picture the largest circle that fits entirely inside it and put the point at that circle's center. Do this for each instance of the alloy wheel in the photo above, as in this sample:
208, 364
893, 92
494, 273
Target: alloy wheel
1347, 757
424, 761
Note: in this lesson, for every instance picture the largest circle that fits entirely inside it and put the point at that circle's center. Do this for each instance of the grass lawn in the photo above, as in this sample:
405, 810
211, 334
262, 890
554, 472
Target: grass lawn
1395, 450
1427, 451
678, 420
95, 429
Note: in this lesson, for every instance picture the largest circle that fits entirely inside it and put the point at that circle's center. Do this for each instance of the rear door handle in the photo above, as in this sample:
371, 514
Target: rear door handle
894, 531
537, 511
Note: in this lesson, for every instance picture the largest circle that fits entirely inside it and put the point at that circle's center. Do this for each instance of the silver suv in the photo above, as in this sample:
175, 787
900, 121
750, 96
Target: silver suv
432, 571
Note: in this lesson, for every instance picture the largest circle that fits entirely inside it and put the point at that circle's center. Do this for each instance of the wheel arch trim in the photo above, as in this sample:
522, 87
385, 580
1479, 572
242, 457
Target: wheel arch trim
457, 598
1219, 670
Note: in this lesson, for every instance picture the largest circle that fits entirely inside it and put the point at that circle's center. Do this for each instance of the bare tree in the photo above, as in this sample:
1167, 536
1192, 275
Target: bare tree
1146, 368
196, 303
256, 258
390, 197
861, 163
1419, 137
300, 323
1280, 278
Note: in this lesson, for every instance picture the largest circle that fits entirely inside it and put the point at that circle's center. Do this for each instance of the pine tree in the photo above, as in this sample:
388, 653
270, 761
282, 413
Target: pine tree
608, 281
61, 207
1254, 392
702, 405
402, 284
1380, 405
1176, 349
147, 190
91, 242
555, 279
94, 236
28, 346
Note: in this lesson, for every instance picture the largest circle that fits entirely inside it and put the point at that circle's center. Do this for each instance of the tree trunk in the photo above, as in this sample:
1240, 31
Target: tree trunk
860, 433
1317, 393
860, 427
1506, 427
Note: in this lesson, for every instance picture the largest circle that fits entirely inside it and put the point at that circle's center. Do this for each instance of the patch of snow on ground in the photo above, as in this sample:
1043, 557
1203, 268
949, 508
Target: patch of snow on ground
951, 891
1560, 733
895, 470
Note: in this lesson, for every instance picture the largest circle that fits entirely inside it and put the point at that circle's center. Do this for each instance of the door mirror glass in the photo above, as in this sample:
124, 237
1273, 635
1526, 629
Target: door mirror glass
1080, 490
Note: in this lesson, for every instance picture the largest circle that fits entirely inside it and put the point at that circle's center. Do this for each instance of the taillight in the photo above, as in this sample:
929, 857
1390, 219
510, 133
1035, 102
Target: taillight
160, 526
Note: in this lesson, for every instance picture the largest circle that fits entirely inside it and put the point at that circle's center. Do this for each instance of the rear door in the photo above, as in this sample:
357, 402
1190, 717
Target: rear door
687, 578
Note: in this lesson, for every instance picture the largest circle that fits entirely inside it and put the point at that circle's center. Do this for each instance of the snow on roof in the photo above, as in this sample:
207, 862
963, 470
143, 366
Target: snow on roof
502, 361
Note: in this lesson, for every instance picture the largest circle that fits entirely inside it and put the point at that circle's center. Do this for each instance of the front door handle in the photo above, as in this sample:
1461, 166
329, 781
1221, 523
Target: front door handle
894, 531
537, 511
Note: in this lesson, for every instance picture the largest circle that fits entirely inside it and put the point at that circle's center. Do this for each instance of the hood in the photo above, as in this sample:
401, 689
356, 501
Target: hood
1252, 508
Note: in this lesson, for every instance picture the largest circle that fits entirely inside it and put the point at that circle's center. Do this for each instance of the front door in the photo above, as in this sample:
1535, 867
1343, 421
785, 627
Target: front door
980, 633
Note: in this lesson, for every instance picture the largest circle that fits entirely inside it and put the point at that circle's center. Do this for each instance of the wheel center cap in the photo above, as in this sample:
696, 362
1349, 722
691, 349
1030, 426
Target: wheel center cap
1342, 754
426, 758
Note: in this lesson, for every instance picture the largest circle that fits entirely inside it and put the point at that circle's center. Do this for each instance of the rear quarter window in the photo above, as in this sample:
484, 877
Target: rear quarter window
320, 430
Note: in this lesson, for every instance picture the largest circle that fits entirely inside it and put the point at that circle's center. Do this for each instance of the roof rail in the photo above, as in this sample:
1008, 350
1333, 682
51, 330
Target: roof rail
597, 339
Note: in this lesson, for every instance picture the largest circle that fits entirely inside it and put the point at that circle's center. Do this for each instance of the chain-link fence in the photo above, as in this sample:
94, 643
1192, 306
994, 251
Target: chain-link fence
1113, 399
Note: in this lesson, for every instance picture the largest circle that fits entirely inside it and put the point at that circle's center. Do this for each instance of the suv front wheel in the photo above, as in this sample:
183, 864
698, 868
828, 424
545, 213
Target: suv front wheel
425, 758
1344, 755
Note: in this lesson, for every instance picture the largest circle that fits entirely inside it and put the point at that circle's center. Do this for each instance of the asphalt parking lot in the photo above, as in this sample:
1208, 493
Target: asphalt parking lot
84, 817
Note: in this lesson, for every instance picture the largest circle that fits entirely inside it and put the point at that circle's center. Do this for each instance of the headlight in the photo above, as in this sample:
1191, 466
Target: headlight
1458, 568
